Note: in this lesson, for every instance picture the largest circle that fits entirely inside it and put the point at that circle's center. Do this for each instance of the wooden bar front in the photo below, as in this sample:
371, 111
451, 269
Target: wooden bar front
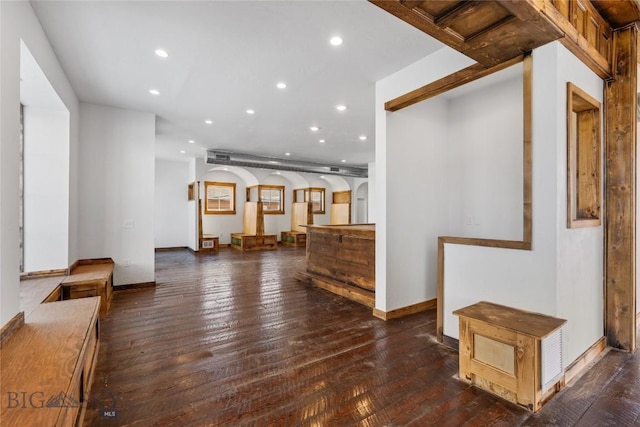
341, 259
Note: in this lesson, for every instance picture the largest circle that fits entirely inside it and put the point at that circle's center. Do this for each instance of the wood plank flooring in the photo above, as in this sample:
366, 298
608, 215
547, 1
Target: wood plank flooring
233, 339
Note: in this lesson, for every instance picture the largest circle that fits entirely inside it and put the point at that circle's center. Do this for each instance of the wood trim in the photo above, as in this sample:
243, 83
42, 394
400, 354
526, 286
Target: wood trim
405, 311
578, 366
452, 81
620, 192
638, 320
451, 342
143, 285
44, 273
527, 202
573, 40
11, 327
171, 248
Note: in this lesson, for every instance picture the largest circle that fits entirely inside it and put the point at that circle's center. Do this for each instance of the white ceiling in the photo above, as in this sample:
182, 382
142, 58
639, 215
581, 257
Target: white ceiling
226, 57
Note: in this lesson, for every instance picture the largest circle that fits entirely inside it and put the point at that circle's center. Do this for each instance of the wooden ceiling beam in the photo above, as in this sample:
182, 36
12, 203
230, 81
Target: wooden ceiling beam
422, 22
452, 81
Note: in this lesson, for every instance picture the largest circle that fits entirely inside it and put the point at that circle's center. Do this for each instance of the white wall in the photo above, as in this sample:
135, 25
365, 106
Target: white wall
46, 189
483, 173
417, 208
562, 275
171, 204
17, 21
117, 179
389, 292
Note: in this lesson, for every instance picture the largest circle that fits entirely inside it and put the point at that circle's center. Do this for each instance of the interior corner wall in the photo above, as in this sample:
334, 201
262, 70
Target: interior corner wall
46, 189
18, 22
562, 274
117, 180
579, 263
171, 204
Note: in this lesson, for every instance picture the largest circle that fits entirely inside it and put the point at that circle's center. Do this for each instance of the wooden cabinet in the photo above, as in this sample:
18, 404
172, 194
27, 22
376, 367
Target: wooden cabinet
209, 243
48, 364
512, 353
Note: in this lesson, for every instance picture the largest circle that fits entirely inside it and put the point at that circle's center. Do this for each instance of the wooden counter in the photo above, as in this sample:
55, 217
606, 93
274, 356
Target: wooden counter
47, 365
341, 259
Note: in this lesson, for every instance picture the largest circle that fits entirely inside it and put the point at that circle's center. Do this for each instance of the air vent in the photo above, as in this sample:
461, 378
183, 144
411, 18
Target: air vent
221, 157
551, 363
207, 244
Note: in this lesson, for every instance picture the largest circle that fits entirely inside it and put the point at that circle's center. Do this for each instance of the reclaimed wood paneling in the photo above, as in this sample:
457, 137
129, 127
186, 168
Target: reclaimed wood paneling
620, 208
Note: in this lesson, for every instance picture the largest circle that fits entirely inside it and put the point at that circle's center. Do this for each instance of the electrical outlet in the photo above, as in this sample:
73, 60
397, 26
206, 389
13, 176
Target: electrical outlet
468, 220
128, 223
126, 263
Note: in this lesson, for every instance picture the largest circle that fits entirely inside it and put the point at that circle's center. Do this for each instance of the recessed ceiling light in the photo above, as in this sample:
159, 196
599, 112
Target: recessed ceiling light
191, 141
314, 128
322, 176
154, 91
363, 137
336, 41
250, 111
182, 151
162, 53
341, 107
322, 141
281, 85
273, 162
226, 169
277, 173
209, 122
287, 154
343, 161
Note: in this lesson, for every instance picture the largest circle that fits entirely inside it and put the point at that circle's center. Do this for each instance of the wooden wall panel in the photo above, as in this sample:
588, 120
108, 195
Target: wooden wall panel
620, 207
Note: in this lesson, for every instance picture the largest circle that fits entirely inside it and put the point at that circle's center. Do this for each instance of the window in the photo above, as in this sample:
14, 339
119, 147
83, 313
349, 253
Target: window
220, 198
583, 159
272, 198
317, 197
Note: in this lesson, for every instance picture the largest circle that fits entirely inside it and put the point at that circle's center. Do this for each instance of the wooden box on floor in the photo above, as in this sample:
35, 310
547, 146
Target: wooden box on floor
90, 278
209, 243
512, 353
48, 364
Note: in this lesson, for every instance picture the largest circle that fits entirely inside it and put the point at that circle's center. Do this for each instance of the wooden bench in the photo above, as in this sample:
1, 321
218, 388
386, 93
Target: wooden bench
253, 238
48, 364
293, 238
252, 242
90, 278
301, 216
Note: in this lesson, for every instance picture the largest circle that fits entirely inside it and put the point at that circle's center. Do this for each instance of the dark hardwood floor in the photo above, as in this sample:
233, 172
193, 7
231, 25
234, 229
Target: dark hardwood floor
233, 339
